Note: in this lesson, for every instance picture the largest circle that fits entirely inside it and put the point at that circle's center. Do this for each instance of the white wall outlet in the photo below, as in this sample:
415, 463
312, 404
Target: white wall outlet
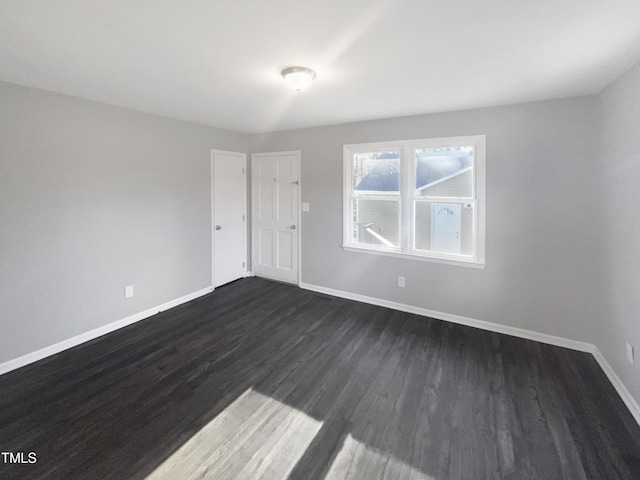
128, 291
305, 207
401, 282
630, 353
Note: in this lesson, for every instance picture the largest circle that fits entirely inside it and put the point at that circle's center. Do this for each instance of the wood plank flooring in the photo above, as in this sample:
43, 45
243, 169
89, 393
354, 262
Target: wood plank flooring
265, 380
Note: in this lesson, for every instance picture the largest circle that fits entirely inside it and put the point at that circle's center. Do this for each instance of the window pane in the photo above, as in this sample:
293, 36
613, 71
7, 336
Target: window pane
376, 222
376, 173
444, 227
444, 172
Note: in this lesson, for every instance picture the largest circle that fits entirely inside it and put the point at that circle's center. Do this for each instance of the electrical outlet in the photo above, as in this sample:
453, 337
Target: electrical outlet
401, 282
630, 353
128, 291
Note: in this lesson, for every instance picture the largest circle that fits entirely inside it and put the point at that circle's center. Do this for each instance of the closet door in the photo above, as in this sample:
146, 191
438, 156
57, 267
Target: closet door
229, 217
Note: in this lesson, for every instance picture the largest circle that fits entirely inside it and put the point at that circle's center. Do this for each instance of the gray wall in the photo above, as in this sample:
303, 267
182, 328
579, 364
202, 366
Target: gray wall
619, 249
94, 198
540, 231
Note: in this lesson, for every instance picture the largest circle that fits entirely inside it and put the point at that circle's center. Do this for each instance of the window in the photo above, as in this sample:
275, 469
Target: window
417, 198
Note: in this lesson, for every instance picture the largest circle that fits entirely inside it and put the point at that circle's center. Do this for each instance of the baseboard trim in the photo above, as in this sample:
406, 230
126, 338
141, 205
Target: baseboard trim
626, 396
448, 317
622, 390
98, 332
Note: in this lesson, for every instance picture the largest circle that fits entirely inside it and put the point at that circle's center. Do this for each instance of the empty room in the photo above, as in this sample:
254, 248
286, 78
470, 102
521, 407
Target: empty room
320, 239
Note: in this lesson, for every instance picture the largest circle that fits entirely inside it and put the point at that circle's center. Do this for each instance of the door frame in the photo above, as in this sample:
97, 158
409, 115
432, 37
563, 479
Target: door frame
212, 172
298, 234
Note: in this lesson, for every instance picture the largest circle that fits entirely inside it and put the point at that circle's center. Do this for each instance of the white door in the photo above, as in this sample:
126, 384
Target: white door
229, 217
445, 227
275, 228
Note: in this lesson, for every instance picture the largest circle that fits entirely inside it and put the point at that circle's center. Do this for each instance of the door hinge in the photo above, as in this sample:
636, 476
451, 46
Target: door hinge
242, 264
242, 169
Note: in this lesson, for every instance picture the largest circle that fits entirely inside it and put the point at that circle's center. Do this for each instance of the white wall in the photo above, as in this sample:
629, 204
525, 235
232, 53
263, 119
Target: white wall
619, 219
94, 198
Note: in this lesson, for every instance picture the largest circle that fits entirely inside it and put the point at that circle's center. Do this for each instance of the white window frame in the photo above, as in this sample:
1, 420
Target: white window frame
407, 149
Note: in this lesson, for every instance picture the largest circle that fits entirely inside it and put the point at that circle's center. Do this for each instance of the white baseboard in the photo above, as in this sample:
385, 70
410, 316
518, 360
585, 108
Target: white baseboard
624, 393
470, 322
626, 396
98, 332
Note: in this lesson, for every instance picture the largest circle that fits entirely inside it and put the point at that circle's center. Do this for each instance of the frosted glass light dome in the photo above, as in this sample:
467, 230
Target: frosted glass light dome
298, 78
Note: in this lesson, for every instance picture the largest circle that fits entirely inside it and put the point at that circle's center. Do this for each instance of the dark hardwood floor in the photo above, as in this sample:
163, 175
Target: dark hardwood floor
265, 380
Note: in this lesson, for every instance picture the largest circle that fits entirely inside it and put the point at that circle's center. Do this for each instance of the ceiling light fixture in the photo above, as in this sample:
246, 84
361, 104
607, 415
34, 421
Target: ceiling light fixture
298, 78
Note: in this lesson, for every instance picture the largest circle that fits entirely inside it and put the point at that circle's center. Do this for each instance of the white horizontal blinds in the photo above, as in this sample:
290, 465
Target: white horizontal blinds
444, 200
375, 194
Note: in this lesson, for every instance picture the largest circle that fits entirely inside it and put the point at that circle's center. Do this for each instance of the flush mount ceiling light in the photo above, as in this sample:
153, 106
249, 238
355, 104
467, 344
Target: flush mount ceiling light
298, 78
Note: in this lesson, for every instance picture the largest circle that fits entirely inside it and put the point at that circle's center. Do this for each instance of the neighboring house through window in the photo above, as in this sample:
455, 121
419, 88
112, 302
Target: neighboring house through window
419, 198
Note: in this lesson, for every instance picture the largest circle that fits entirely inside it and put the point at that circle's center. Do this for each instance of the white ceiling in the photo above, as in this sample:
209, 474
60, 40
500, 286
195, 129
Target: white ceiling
217, 62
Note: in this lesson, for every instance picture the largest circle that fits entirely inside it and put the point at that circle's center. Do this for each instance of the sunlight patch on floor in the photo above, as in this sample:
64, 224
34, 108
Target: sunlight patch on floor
255, 437
356, 461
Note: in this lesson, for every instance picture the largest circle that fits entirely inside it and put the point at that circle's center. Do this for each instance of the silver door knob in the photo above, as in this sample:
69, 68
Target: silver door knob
293, 227
218, 227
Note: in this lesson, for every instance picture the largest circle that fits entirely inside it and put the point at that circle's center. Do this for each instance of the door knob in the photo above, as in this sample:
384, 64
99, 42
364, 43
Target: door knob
218, 227
293, 227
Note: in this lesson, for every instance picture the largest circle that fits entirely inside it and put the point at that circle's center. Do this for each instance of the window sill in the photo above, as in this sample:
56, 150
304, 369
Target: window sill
422, 258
